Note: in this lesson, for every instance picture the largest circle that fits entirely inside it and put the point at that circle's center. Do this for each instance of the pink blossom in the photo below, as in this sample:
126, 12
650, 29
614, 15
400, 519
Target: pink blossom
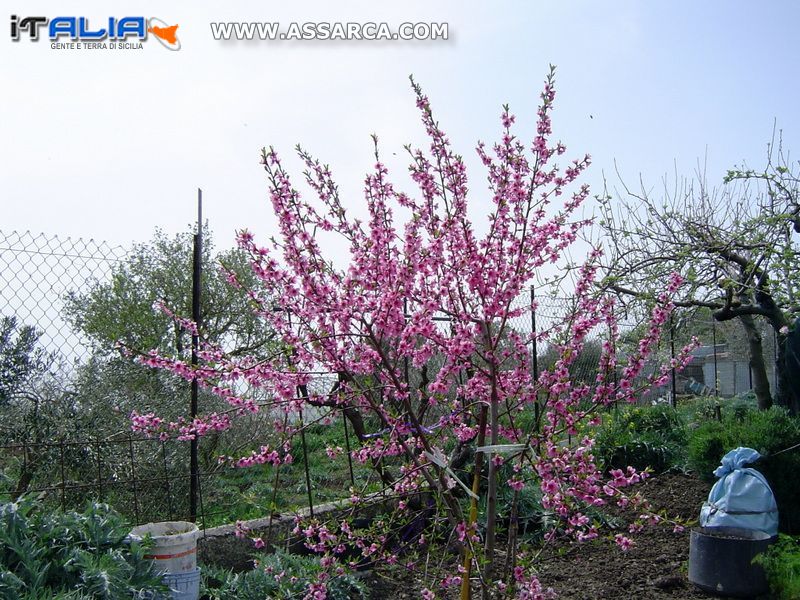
623, 542
241, 529
418, 287
516, 484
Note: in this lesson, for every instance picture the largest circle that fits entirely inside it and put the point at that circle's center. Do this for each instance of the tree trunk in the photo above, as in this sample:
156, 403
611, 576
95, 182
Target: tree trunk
30, 466
786, 367
356, 421
757, 366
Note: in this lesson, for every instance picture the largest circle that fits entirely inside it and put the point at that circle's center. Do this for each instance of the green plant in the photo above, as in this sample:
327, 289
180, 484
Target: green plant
707, 446
740, 406
642, 437
21, 358
249, 493
697, 410
279, 576
769, 432
781, 564
711, 408
52, 554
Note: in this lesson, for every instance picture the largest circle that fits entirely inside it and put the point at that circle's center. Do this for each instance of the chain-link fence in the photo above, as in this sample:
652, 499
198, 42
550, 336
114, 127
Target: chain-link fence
135, 474
149, 479
66, 435
52, 441
36, 273
720, 365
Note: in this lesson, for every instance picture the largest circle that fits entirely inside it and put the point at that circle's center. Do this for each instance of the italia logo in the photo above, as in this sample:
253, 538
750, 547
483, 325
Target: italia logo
113, 30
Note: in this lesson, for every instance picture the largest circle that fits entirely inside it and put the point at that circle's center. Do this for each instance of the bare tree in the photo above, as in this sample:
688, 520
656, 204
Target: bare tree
734, 244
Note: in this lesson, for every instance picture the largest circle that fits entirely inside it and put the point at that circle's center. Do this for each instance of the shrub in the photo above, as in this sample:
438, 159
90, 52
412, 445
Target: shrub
642, 436
742, 405
707, 408
769, 432
52, 554
707, 446
279, 576
782, 566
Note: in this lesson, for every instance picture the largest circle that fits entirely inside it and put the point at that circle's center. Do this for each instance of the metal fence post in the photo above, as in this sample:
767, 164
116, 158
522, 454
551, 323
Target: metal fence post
714, 342
20, 489
613, 341
406, 370
775, 380
63, 477
166, 481
200, 501
133, 480
197, 261
534, 347
99, 470
534, 358
347, 448
305, 464
672, 358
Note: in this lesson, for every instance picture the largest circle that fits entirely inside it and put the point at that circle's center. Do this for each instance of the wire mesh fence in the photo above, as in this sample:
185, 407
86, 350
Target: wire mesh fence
150, 479
37, 271
131, 473
144, 479
40, 451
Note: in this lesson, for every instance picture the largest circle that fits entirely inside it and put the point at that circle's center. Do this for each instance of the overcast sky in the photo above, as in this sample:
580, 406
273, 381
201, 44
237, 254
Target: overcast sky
111, 144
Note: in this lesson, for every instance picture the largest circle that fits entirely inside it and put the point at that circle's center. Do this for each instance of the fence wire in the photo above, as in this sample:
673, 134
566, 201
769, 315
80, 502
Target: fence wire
149, 479
37, 271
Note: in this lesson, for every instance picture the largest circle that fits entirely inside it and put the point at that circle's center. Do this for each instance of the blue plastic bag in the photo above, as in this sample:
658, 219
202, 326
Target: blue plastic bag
742, 497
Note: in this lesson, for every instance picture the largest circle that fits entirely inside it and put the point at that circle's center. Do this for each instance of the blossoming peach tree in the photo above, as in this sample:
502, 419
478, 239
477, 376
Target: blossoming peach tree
428, 294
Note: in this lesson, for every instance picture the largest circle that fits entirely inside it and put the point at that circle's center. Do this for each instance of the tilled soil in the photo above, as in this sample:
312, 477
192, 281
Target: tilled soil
655, 567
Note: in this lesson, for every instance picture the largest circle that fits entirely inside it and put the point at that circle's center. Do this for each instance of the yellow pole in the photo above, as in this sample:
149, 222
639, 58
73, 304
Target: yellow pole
473, 505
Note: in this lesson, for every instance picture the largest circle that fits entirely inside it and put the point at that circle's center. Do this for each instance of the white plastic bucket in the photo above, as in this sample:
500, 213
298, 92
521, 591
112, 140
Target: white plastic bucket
174, 548
183, 586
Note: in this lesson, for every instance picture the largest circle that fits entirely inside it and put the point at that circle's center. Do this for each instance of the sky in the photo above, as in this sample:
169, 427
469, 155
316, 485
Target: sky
111, 144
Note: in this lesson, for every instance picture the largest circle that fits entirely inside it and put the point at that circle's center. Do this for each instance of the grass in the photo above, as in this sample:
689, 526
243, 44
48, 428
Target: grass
227, 495
249, 493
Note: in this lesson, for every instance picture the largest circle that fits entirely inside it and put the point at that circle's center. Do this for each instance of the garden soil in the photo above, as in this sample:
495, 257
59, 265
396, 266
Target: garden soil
656, 567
